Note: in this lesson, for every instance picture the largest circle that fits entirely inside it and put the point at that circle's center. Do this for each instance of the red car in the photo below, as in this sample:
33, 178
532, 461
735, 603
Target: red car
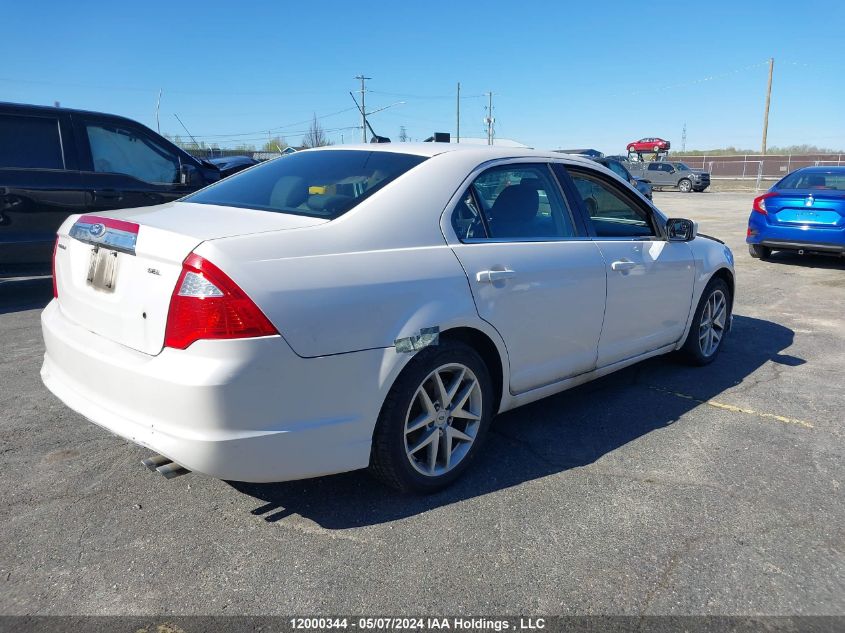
651, 144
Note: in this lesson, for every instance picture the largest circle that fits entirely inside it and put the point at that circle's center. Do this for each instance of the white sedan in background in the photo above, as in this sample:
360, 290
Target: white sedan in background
369, 306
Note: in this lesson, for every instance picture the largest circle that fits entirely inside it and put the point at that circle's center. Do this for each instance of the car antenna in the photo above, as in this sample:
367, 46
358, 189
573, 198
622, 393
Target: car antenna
376, 138
186, 130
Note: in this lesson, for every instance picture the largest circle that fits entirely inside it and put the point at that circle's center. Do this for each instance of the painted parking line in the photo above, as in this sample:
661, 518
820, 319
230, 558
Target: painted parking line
735, 409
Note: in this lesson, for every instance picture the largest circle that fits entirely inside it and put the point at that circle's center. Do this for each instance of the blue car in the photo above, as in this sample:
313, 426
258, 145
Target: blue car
803, 212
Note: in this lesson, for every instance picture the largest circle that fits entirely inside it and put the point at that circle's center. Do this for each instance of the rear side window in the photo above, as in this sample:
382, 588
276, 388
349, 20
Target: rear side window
519, 202
324, 184
115, 149
30, 142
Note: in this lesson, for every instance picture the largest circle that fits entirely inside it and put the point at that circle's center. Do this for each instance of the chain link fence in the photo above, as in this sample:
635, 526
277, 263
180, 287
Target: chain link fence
758, 166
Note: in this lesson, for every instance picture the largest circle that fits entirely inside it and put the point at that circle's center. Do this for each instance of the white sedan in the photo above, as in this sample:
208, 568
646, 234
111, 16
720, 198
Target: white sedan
370, 306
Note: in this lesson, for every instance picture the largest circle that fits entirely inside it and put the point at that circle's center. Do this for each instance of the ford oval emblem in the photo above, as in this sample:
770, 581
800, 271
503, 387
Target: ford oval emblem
97, 230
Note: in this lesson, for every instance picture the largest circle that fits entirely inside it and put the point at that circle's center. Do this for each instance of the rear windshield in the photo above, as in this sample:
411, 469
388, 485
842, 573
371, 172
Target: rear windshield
323, 184
813, 180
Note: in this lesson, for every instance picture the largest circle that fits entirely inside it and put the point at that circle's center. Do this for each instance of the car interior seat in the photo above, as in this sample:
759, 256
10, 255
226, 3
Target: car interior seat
514, 211
288, 193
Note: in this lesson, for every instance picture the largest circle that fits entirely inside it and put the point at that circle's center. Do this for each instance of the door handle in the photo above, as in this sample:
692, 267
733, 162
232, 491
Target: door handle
489, 276
622, 265
108, 194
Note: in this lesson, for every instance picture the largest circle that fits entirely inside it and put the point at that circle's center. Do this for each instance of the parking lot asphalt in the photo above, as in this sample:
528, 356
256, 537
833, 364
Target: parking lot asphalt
660, 489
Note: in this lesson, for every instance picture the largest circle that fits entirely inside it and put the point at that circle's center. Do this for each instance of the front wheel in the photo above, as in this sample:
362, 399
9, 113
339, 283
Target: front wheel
433, 420
709, 324
685, 185
758, 251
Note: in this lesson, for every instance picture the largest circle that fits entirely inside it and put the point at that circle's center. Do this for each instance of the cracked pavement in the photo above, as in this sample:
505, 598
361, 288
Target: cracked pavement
662, 489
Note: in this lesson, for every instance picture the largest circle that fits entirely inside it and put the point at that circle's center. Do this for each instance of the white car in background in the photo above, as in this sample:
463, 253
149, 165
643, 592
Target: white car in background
369, 306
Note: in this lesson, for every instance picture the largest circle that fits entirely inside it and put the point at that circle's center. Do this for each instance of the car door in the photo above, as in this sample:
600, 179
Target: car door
658, 175
649, 279
534, 275
39, 184
125, 166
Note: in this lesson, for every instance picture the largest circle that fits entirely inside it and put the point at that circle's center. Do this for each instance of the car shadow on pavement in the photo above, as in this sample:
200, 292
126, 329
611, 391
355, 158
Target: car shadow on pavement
562, 432
788, 258
30, 293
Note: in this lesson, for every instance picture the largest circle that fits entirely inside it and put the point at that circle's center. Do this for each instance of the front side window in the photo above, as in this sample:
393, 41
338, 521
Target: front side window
29, 142
612, 214
118, 150
323, 184
519, 202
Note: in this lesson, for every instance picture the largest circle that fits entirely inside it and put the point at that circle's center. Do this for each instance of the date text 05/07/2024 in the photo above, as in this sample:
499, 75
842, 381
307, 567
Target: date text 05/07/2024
416, 624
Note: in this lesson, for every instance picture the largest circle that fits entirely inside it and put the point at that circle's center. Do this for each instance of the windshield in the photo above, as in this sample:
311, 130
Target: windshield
323, 184
834, 180
681, 167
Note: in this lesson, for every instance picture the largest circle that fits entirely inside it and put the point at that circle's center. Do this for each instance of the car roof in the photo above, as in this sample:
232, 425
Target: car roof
53, 109
481, 152
823, 169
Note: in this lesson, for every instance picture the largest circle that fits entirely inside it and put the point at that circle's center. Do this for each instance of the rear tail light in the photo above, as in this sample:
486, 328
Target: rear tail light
55, 284
760, 203
207, 304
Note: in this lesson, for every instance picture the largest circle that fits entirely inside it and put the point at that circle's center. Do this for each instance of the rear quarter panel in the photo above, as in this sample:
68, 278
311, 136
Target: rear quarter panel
380, 272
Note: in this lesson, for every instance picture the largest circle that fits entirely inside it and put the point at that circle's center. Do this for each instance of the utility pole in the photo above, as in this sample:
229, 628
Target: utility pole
458, 134
489, 120
158, 105
684, 139
768, 101
363, 107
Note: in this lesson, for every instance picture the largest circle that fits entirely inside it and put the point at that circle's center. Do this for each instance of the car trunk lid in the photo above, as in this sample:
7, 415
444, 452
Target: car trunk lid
116, 272
810, 207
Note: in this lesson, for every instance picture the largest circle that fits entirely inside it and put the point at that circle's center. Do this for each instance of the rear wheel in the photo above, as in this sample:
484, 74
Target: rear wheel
758, 251
433, 420
709, 324
685, 185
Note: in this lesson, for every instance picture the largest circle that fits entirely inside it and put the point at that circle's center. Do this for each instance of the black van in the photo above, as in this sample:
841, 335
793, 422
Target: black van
57, 161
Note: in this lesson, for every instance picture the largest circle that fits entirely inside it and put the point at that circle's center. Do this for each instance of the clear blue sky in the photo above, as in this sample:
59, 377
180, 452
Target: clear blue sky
564, 74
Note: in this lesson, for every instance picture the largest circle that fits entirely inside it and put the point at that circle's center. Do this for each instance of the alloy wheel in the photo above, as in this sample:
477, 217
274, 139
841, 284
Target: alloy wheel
443, 419
711, 328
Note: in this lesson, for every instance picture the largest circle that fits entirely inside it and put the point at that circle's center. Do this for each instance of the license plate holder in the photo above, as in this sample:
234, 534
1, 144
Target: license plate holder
102, 269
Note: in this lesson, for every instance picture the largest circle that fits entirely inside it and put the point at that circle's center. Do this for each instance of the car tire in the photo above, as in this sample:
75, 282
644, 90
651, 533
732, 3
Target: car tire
685, 185
656, 149
758, 251
409, 419
710, 324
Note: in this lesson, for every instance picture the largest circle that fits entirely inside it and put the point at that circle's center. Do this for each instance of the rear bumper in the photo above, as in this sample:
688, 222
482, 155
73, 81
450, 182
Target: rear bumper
821, 239
245, 410
806, 246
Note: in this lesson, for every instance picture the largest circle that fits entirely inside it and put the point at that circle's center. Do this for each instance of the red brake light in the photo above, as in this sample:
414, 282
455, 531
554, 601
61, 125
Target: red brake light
760, 203
55, 285
207, 304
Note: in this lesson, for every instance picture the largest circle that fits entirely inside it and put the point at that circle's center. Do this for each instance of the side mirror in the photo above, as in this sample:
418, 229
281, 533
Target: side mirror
189, 175
680, 230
